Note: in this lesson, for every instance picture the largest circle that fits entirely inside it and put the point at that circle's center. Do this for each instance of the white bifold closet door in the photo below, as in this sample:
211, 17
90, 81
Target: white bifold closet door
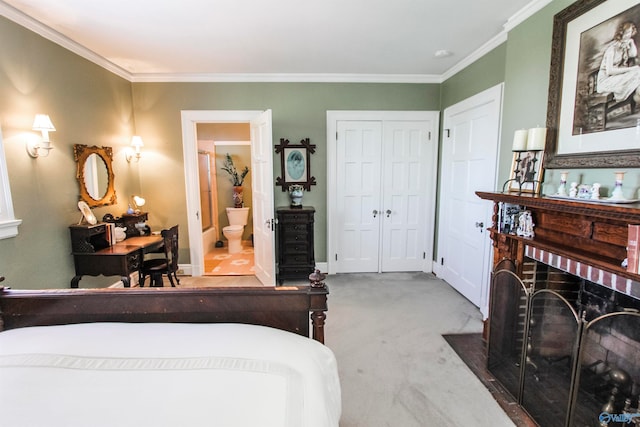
385, 173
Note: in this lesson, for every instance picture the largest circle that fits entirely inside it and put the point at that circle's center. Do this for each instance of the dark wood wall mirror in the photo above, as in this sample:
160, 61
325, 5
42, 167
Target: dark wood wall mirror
95, 174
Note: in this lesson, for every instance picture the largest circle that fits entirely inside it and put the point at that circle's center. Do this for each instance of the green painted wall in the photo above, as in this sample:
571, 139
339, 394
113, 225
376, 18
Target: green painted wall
87, 105
90, 105
525, 60
525, 99
299, 111
482, 74
527, 80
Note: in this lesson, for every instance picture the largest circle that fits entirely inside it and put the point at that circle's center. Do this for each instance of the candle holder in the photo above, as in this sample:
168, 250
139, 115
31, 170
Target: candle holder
522, 176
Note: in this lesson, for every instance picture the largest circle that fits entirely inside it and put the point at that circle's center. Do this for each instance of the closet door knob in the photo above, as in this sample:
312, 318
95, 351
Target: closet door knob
375, 213
388, 212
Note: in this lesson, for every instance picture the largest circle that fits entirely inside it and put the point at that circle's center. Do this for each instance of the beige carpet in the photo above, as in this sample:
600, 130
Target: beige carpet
396, 369
220, 263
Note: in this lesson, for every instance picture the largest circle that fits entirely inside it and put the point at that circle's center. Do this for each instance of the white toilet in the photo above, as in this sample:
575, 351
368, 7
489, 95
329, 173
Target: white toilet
233, 232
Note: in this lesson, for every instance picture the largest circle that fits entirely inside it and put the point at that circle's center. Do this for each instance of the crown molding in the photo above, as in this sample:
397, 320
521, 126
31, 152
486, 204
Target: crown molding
39, 28
49, 33
287, 78
515, 20
525, 13
477, 54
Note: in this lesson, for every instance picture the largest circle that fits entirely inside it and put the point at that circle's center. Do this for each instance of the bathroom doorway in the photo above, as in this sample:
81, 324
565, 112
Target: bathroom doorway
262, 211
216, 141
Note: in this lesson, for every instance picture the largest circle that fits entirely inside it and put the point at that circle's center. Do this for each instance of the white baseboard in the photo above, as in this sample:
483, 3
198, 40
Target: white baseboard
184, 269
322, 266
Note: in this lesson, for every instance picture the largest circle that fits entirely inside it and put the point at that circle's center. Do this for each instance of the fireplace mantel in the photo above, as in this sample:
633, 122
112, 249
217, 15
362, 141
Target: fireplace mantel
629, 212
591, 233
557, 340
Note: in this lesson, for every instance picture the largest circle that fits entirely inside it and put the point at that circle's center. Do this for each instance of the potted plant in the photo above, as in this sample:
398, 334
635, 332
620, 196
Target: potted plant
236, 178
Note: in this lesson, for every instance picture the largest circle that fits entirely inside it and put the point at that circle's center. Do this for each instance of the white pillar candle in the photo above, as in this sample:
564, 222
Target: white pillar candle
520, 140
536, 139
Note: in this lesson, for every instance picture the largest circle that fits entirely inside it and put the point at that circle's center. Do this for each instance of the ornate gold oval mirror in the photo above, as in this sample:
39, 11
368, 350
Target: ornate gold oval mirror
95, 174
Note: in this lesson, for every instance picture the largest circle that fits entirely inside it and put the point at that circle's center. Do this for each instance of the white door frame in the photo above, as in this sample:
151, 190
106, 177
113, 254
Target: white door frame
333, 116
190, 118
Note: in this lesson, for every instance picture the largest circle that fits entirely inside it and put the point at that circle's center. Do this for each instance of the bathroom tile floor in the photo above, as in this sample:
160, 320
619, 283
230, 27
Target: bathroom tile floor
219, 262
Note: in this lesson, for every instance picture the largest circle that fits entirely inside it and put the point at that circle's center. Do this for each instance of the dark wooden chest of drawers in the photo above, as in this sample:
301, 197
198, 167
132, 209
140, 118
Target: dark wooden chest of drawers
295, 243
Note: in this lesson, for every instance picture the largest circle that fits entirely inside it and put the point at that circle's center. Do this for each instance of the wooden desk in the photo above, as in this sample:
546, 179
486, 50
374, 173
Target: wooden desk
121, 259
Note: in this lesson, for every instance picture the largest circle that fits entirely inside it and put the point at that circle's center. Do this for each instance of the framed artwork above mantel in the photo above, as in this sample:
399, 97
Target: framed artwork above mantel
592, 117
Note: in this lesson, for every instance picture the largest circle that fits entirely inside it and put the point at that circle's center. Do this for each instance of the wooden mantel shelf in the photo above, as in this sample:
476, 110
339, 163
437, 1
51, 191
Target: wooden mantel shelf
626, 211
590, 232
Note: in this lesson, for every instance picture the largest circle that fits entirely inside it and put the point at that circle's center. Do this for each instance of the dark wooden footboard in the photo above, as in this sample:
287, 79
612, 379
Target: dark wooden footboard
286, 308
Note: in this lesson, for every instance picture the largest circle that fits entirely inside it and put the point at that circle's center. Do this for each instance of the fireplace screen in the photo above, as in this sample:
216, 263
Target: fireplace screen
506, 329
554, 329
567, 349
609, 375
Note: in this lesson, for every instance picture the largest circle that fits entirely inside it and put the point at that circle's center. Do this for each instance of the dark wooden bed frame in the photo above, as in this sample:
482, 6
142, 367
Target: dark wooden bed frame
287, 308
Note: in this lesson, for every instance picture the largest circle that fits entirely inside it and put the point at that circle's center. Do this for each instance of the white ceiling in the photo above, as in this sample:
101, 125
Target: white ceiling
286, 40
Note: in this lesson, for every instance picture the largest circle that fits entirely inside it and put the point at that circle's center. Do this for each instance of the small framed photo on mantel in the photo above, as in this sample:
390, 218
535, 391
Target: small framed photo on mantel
526, 172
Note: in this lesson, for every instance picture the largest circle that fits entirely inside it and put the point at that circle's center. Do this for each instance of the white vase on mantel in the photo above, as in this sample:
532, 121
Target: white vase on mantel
616, 194
562, 189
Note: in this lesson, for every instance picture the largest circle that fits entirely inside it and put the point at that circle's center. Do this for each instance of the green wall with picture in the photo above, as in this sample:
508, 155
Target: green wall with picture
91, 105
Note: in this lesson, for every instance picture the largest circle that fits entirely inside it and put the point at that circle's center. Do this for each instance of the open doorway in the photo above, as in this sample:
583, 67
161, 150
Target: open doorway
261, 178
219, 143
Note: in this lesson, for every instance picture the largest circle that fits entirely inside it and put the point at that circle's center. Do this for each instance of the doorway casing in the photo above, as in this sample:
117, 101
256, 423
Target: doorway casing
190, 119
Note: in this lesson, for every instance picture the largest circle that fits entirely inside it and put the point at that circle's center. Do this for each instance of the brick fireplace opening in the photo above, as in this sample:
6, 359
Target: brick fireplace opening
565, 341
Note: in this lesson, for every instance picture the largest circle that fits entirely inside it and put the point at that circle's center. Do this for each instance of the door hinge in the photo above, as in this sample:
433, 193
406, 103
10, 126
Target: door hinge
429, 135
448, 131
424, 255
336, 135
336, 257
441, 261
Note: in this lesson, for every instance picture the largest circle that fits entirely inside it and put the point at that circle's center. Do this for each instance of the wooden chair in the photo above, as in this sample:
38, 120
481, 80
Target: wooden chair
602, 105
168, 264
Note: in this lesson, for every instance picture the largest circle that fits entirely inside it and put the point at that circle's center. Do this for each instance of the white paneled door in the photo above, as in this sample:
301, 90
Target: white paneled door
381, 211
407, 168
469, 159
358, 196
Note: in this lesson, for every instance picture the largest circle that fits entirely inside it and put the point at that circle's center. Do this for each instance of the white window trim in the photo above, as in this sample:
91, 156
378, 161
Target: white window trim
8, 223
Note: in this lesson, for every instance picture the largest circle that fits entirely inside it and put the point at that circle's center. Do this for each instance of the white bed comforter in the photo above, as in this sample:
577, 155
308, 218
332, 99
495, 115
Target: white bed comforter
123, 374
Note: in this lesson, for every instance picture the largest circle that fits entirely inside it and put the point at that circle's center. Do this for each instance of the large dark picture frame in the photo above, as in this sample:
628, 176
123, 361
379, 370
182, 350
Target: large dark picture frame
295, 164
578, 45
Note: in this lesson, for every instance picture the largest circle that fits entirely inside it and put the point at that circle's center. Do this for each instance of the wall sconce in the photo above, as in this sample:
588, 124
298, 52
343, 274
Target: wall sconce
42, 122
136, 142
